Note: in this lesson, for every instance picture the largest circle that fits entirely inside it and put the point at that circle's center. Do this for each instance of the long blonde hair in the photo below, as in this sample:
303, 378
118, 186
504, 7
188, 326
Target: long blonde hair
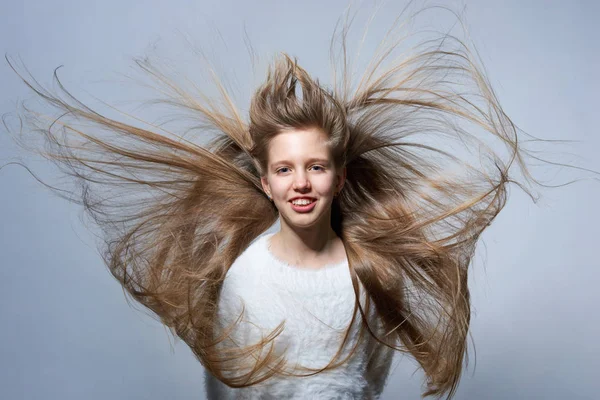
179, 213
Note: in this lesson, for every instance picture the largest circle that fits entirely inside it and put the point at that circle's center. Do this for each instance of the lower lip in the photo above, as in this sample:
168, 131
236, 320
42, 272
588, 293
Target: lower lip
304, 209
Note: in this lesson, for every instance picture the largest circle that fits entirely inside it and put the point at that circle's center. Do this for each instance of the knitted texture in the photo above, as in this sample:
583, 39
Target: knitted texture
317, 306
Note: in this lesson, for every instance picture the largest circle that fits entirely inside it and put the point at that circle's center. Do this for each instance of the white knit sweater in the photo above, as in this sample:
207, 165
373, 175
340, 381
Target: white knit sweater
317, 305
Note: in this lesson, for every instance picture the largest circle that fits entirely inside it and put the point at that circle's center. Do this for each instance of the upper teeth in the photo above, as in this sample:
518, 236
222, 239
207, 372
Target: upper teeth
301, 202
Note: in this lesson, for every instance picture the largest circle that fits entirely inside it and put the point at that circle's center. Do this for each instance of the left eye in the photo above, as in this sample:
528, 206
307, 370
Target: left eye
317, 166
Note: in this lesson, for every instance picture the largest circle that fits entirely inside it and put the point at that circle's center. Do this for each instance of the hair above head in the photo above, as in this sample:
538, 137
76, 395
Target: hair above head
290, 98
429, 153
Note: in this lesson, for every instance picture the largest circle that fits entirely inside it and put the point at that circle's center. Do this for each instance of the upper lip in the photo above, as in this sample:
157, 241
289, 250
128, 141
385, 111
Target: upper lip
302, 197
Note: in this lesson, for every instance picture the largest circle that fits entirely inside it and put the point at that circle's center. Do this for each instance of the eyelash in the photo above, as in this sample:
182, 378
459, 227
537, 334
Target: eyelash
279, 170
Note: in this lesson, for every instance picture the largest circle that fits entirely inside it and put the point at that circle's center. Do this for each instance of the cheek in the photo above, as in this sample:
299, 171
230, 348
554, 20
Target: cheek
279, 187
324, 185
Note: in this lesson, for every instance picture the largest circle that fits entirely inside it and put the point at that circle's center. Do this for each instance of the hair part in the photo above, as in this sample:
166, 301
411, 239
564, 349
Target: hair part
290, 99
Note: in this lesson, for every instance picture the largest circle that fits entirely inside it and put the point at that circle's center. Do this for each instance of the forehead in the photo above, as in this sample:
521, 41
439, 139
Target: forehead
298, 144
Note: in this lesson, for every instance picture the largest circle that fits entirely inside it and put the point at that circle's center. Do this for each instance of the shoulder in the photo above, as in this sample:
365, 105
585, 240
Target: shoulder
246, 272
254, 256
246, 287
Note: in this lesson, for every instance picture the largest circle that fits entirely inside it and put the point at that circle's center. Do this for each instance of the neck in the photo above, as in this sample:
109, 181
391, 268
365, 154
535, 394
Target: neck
305, 245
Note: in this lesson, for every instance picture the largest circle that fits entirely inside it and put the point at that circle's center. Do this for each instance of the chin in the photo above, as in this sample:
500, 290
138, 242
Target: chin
303, 221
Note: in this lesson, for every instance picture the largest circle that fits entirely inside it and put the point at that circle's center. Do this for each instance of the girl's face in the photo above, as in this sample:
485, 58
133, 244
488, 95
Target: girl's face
300, 168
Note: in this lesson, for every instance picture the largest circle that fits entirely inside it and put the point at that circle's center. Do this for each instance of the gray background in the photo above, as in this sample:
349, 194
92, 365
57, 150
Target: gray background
67, 331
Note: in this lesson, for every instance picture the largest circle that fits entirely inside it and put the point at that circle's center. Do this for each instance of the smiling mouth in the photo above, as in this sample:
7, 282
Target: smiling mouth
304, 207
304, 202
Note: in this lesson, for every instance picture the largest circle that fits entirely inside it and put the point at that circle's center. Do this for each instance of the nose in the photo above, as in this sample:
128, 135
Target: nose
301, 182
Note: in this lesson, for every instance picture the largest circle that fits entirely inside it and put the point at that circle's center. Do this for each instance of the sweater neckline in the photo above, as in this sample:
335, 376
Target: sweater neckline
326, 267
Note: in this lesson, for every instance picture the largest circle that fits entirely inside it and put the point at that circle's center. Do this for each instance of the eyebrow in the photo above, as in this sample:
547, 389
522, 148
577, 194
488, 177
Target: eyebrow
310, 160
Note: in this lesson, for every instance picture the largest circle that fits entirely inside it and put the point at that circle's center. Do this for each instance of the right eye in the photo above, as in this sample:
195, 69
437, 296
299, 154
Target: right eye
282, 169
